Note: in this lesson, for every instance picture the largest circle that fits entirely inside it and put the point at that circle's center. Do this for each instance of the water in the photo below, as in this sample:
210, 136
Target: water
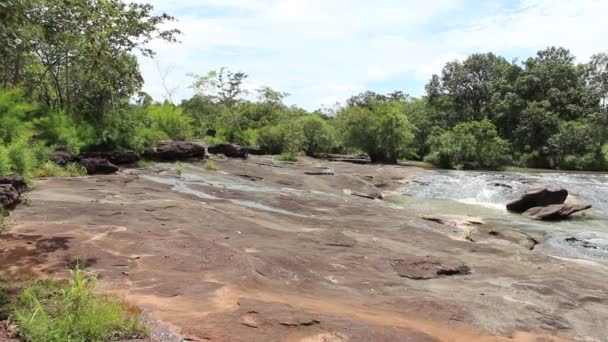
486, 194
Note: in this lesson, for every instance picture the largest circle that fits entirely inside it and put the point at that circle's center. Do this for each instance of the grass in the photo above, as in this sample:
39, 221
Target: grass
145, 163
70, 311
50, 169
211, 165
180, 168
288, 156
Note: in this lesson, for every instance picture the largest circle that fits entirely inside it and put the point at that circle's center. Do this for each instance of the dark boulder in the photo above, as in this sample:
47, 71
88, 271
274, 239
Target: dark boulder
9, 196
114, 157
555, 212
254, 150
17, 182
62, 157
537, 198
176, 150
229, 150
347, 158
98, 166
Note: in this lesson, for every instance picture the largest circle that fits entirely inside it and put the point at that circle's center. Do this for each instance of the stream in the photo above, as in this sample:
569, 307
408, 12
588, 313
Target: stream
485, 194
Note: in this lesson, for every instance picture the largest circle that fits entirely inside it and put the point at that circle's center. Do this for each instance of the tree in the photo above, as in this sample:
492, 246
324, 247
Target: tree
469, 145
317, 135
383, 132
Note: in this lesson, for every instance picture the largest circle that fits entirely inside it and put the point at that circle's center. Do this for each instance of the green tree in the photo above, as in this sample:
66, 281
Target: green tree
383, 132
471, 145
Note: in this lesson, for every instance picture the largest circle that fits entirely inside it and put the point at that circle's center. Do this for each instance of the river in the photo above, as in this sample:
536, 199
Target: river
485, 194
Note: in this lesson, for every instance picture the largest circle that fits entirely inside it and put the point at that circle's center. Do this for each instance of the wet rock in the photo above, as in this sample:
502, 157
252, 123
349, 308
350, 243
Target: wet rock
502, 185
516, 237
538, 198
176, 150
575, 242
114, 157
98, 166
17, 182
229, 150
373, 195
9, 196
61, 156
420, 268
555, 212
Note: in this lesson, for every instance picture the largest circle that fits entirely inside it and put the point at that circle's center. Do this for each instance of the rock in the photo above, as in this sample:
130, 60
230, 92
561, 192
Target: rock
375, 195
537, 198
516, 237
17, 182
114, 157
62, 157
555, 212
9, 196
415, 267
97, 166
502, 185
254, 150
575, 242
347, 158
229, 150
176, 150
321, 171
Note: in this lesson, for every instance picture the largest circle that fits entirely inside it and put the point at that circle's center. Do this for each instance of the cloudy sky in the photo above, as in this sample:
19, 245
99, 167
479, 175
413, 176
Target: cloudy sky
322, 51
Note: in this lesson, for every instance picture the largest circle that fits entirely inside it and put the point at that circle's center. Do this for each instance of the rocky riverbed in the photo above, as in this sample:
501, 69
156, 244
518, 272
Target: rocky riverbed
263, 250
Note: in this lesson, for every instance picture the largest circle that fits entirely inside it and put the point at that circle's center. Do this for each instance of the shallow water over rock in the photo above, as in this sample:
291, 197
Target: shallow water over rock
485, 194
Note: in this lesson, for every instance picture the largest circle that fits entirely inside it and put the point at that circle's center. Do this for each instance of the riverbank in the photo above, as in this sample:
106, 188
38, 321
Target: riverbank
266, 250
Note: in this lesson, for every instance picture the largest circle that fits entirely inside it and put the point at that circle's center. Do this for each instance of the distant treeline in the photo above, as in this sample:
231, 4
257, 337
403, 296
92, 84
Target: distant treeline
69, 77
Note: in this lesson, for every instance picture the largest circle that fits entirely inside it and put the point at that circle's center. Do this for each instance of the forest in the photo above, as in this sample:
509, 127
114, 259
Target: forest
69, 77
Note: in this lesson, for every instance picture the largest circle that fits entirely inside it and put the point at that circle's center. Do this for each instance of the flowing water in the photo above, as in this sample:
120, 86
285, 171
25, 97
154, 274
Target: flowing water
485, 194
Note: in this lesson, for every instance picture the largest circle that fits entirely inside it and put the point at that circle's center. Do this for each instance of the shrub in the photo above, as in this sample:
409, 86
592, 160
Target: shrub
61, 129
470, 145
170, 120
51, 311
383, 131
288, 156
50, 169
271, 139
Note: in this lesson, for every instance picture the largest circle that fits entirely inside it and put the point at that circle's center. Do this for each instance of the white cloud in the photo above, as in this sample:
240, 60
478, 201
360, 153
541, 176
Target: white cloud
323, 51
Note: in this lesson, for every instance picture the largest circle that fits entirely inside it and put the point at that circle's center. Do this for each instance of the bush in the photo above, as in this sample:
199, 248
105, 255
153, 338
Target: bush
170, 120
382, 131
60, 129
22, 157
51, 311
472, 145
271, 139
317, 135
288, 156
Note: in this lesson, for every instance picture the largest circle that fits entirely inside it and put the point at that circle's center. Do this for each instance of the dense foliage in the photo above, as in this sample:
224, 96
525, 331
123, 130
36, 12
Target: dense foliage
69, 77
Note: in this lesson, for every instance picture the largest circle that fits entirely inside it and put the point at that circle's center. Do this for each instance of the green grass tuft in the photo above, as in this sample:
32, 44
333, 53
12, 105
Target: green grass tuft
211, 165
52, 311
288, 156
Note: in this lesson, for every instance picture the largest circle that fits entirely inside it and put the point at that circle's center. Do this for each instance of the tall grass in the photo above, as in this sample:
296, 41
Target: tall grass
56, 312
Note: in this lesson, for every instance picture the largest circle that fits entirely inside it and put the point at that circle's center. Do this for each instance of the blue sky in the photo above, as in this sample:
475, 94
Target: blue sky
322, 51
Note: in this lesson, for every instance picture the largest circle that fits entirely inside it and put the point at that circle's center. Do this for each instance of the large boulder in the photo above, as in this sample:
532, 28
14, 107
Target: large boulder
9, 196
555, 212
114, 157
17, 182
98, 166
62, 157
229, 150
537, 198
176, 150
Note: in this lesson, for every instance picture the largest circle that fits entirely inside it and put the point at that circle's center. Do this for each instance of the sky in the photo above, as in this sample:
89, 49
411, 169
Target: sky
323, 51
